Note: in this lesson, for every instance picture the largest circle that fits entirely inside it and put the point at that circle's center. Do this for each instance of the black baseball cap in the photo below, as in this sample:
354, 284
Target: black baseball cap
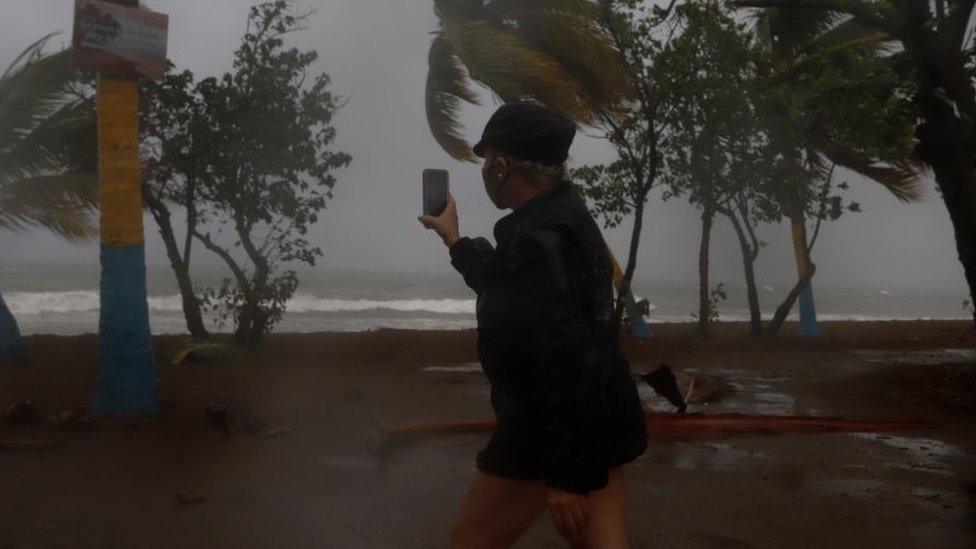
528, 131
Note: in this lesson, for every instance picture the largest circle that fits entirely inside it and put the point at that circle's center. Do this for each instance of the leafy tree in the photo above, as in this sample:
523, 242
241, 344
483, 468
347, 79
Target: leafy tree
270, 171
937, 45
633, 127
176, 150
716, 146
553, 51
40, 119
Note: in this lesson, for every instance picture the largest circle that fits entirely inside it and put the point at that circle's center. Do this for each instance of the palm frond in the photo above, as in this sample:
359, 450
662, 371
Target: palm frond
792, 29
446, 89
582, 48
458, 8
848, 34
33, 92
504, 63
48, 146
60, 203
902, 178
513, 7
30, 53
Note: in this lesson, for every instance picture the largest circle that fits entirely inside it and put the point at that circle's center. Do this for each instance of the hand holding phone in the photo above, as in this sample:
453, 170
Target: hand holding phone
443, 218
436, 188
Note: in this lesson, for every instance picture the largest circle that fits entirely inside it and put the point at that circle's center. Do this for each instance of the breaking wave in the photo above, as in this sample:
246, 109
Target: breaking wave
41, 303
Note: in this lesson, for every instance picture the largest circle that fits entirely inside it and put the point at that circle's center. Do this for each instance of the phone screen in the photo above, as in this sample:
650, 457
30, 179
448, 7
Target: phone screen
435, 191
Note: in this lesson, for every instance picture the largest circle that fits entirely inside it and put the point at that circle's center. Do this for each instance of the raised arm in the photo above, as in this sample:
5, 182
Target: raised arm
471, 257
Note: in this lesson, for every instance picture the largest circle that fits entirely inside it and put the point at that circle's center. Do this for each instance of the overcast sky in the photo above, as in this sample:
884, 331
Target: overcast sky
376, 53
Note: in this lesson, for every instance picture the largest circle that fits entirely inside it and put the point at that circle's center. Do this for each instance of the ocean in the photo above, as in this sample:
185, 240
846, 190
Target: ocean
63, 300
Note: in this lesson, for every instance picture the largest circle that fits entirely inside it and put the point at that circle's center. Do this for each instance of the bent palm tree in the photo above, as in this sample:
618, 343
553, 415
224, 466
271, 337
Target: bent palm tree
796, 41
39, 120
552, 51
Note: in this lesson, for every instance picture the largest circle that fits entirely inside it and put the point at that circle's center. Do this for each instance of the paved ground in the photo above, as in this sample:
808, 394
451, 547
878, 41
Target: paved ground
319, 486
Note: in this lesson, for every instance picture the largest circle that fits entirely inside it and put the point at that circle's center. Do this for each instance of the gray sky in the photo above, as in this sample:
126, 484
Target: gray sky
376, 53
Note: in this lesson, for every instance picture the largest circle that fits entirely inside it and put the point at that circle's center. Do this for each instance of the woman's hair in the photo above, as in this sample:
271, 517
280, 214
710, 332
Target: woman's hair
538, 173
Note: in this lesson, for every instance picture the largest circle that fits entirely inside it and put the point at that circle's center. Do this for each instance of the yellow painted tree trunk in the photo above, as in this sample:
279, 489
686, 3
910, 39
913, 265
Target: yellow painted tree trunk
126, 380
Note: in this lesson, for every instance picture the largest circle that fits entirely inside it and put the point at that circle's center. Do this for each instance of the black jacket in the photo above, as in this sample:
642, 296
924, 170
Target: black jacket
545, 337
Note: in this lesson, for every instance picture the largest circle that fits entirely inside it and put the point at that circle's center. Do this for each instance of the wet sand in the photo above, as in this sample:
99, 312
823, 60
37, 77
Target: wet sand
321, 486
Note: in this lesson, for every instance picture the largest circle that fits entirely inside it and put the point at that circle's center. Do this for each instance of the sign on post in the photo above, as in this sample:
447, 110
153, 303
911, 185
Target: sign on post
119, 40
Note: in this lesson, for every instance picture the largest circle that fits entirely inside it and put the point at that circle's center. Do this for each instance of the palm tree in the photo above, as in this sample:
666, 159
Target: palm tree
553, 51
38, 118
795, 40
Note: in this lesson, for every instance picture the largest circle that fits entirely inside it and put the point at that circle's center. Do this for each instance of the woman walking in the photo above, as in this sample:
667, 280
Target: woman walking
568, 412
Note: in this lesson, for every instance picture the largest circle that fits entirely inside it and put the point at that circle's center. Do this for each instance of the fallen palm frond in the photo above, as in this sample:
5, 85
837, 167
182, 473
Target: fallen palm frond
683, 427
706, 426
210, 351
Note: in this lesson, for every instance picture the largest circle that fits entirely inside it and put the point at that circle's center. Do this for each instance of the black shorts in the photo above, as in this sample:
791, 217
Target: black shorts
515, 451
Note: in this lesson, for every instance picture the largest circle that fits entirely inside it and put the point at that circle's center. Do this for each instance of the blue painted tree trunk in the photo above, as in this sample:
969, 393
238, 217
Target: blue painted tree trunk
639, 329
808, 313
126, 381
11, 344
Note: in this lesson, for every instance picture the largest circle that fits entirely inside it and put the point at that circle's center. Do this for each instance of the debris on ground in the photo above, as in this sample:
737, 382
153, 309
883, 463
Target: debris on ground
699, 389
72, 420
28, 443
234, 417
184, 499
662, 380
276, 431
23, 413
210, 351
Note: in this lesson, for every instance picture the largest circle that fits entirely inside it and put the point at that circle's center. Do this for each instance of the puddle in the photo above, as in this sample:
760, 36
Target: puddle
706, 457
364, 463
854, 487
474, 367
923, 358
921, 454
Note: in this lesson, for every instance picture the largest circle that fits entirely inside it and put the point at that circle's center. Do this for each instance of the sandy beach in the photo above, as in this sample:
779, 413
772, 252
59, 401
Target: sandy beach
314, 480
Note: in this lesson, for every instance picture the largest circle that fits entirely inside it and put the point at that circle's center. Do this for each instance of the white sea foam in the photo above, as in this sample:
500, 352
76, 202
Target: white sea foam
41, 303
312, 304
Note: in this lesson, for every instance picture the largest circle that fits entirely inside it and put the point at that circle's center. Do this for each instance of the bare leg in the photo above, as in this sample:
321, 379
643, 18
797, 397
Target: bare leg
607, 527
497, 511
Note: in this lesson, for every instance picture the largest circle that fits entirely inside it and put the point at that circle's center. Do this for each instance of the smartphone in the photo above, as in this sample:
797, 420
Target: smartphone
435, 191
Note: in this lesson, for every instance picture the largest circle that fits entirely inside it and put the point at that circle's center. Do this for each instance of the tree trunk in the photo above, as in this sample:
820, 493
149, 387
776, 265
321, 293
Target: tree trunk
959, 195
942, 144
252, 319
11, 344
191, 304
784, 309
704, 302
624, 287
748, 264
947, 100
808, 310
